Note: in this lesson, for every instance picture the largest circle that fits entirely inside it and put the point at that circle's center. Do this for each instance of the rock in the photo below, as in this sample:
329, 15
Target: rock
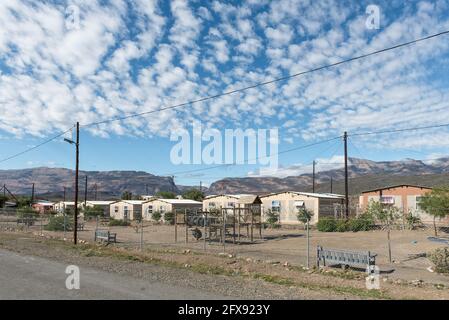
417, 282
230, 256
430, 269
286, 264
248, 260
186, 251
187, 265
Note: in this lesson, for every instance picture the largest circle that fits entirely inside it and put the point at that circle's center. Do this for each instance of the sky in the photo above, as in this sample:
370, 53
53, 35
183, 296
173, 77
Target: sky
89, 61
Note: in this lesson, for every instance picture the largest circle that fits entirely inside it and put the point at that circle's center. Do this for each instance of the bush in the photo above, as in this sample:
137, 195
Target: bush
169, 217
341, 225
118, 223
156, 216
327, 225
361, 223
272, 217
440, 258
56, 223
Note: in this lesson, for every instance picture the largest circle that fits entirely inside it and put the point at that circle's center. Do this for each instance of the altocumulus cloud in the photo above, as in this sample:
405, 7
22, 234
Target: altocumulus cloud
135, 56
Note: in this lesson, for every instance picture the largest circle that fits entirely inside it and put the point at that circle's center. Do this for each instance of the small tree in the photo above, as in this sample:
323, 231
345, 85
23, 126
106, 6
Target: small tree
272, 217
156, 216
436, 203
193, 194
304, 215
126, 195
386, 215
169, 217
166, 195
91, 212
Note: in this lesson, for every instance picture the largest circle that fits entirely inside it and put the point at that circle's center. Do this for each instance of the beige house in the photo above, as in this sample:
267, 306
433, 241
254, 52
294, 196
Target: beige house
288, 203
105, 205
221, 201
127, 209
168, 205
62, 206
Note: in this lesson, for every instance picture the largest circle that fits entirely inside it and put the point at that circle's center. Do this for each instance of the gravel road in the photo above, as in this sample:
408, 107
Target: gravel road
27, 277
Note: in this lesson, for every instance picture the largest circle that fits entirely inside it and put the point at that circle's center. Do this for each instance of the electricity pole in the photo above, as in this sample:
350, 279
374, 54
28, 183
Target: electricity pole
201, 185
331, 184
32, 194
313, 177
77, 144
85, 192
96, 189
64, 196
345, 139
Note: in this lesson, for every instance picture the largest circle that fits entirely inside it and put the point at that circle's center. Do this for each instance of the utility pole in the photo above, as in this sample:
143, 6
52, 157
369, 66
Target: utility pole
332, 185
313, 177
146, 189
345, 139
32, 194
96, 189
64, 195
85, 192
77, 144
201, 186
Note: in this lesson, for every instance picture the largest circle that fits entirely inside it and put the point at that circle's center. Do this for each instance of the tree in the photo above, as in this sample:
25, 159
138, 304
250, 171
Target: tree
304, 215
193, 194
272, 217
386, 215
95, 211
166, 195
126, 195
23, 202
436, 203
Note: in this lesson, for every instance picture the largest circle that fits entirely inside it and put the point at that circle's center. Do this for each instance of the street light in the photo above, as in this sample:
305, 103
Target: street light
77, 143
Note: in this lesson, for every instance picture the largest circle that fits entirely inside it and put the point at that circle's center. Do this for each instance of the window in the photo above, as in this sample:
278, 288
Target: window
387, 199
299, 205
115, 209
276, 206
212, 205
162, 209
150, 210
231, 204
418, 201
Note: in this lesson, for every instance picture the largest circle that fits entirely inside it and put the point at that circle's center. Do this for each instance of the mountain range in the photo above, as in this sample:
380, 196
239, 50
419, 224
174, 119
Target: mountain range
363, 175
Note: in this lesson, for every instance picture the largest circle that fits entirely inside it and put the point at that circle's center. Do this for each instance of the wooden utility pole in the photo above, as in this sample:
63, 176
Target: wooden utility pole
64, 196
345, 139
85, 192
146, 189
96, 189
331, 185
32, 194
313, 177
77, 144
201, 186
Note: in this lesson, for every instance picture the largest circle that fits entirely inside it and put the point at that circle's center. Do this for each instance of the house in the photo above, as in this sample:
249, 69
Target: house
126, 209
221, 201
168, 205
104, 205
406, 197
62, 206
43, 207
147, 197
288, 203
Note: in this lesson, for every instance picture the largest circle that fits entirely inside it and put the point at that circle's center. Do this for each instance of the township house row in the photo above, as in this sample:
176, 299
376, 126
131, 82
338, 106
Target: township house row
286, 204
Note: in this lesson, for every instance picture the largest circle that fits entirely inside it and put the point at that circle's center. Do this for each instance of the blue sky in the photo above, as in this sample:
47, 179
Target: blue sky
134, 56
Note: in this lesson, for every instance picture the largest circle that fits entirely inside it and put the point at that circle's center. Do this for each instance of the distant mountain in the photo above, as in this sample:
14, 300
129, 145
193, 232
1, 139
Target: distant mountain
110, 184
363, 174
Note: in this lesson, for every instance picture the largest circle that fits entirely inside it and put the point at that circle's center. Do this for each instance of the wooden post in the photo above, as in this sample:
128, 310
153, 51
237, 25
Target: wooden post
205, 225
176, 226
252, 224
187, 227
224, 231
238, 225
233, 228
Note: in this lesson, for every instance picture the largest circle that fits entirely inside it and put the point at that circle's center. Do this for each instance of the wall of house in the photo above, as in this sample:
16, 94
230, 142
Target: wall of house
288, 210
118, 209
220, 201
162, 206
405, 199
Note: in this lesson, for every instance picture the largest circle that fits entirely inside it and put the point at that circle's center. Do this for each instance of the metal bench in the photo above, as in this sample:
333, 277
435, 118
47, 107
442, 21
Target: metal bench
105, 236
345, 258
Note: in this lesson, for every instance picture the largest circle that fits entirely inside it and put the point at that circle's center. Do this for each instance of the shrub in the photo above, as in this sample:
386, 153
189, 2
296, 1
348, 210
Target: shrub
341, 225
169, 217
156, 216
272, 217
118, 223
92, 212
327, 225
361, 223
440, 258
56, 223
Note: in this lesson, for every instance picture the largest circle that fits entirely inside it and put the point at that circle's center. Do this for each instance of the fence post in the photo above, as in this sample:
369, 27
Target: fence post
308, 245
176, 226
204, 223
187, 228
141, 234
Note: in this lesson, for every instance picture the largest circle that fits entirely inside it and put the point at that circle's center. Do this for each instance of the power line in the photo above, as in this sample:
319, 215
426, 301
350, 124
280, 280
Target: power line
254, 159
269, 81
248, 88
399, 130
36, 146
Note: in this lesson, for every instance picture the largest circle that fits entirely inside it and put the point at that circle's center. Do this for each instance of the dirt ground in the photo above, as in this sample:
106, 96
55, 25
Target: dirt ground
290, 245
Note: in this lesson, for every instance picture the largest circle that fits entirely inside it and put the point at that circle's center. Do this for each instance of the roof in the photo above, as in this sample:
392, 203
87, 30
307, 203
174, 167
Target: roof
44, 203
397, 186
250, 199
309, 194
235, 196
101, 202
179, 201
70, 203
133, 201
